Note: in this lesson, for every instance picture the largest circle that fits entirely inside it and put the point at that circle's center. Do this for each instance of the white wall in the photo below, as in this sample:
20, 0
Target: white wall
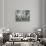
44, 18
1, 14
35, 15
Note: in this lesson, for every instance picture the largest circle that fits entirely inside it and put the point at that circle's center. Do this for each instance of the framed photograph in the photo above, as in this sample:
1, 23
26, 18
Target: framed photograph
22, 15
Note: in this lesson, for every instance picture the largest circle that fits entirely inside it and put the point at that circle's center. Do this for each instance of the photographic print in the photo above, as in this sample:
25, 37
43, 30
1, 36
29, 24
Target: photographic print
22, 15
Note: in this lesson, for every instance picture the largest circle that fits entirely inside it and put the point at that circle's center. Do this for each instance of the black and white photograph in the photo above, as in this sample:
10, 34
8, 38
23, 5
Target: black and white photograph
22, 15
22, 22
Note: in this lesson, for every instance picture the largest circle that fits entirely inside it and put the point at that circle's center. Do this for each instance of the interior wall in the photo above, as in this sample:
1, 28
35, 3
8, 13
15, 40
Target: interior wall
44, 18
1, 14
35, 15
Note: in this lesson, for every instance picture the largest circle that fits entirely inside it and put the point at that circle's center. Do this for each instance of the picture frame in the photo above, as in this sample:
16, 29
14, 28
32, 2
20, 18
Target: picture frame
22, 15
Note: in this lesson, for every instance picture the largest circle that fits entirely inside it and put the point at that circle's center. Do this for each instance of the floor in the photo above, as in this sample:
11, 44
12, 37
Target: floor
23, 44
